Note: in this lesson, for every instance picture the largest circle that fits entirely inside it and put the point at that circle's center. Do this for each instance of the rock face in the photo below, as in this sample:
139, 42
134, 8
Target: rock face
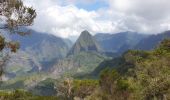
85, 43
82, 63
38, 52
83, 57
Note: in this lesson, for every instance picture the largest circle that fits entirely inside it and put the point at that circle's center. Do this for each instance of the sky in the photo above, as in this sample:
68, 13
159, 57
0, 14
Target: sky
68, 18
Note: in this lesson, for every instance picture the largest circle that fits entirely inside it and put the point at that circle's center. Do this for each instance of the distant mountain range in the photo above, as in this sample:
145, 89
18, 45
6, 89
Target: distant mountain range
152, 41
38, 52
44, 52
149, 43
119, 42
43, 55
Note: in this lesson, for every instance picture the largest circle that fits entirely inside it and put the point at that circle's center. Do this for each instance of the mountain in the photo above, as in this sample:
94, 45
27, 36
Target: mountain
149, 43
143, 73
152, 41
79, 64
85, 42
44, 46
38, 52
118, 42
83, 57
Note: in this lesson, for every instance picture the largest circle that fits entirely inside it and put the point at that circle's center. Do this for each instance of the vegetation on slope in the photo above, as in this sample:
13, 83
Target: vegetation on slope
23, 95
141, 75
146, 77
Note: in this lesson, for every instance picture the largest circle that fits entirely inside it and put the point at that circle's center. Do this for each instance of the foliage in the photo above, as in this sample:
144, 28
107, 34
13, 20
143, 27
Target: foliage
146, 76
23, 95
83, 88
14, 15
44, 88
70, 89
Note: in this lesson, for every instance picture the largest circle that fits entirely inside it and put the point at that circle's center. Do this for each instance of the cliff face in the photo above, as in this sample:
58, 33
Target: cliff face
38, 52
83, 57
84, 43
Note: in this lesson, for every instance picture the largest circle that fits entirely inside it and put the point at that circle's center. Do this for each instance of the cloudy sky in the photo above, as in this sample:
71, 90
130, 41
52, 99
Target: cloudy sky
66, 18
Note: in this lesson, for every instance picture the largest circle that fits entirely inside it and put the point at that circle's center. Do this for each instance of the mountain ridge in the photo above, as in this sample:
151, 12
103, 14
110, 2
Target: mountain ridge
38, 53
119, 42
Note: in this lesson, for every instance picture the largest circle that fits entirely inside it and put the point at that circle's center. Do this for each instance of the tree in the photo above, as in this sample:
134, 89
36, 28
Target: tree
84, 88
114, 86
15, 16
65, 89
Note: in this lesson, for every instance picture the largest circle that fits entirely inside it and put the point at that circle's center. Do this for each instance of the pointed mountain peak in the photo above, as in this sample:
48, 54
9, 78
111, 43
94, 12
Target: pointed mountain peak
84, 43
85, 35
85, 32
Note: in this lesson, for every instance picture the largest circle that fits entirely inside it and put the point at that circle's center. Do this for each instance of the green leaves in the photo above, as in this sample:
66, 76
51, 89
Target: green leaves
14, 46
2, 43
165, 44
16, 15
146, 77
123, 84
83, 88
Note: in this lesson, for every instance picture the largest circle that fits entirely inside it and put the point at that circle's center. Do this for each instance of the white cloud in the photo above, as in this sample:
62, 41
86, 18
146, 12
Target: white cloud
63, 18
67, 20
143, 15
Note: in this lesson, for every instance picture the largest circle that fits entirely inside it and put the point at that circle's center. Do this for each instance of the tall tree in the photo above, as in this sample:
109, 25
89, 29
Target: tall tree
14, 15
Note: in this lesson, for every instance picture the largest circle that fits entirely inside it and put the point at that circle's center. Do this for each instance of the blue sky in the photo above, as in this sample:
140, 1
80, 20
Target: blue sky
67, 18
93, 6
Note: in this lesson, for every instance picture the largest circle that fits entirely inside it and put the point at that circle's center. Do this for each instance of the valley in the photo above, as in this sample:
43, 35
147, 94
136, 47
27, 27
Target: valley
84, 50
44, 59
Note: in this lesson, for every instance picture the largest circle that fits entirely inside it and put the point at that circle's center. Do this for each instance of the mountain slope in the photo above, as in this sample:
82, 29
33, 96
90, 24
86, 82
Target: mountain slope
83, 57
118, 42
38, 52
152, 41
148, 43
44, 46
84, 43
79, 64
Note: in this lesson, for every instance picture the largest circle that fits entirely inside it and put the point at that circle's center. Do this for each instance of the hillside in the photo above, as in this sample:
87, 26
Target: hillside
95, 73
119, 42
38, 52
137, 75
79, 64
152, 41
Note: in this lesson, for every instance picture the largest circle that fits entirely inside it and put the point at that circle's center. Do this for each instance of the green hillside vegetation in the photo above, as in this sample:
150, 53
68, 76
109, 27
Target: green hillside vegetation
145, 76
88, 61
44, 88
139, 75
70, 89
80, 64
23, 95
23, 82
